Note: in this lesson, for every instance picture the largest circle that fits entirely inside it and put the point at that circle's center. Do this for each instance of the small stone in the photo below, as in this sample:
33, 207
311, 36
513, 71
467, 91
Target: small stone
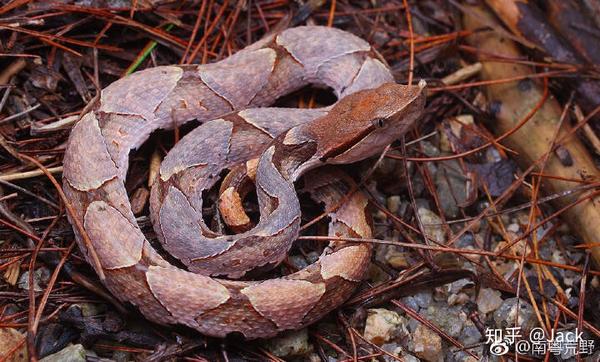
392, 348
72, 353
423, 298
9, 309
298, 261
413, 324
444, 141
517, 248
397, 351
53, 337
451, 184
480, 100
411, 303
459, 285
440, 294
488, 300
290, 344
515, 228
506, 315
505, 268
429, 149
380, 215
432, 224
397, 259
545, 250
382, 325
427, 344
90, 309
464, 357
570, 278
377, 275
409, 358
393, 204
380, 37
312, 257
121, 356
565, 349
470, 335
575, 256
466, 240
558, 257
9, 340
40, 277
313, 357
450, 320
459, 122
458, 299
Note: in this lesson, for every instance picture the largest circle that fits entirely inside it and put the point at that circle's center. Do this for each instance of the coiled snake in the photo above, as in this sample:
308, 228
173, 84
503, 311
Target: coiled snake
372, 111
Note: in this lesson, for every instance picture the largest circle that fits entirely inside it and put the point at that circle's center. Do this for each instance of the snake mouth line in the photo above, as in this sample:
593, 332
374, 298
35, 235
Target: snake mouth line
348, 144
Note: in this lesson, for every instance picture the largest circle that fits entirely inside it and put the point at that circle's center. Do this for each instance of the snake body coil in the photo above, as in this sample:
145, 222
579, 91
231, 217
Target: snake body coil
371, 113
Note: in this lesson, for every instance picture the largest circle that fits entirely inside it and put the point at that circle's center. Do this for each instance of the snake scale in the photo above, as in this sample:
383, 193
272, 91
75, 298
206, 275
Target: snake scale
274, 147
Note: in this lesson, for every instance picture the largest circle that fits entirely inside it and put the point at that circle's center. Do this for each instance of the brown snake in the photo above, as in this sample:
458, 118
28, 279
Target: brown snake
372, 111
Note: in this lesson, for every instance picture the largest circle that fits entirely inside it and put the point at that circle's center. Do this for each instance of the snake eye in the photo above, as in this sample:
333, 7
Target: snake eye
379, 122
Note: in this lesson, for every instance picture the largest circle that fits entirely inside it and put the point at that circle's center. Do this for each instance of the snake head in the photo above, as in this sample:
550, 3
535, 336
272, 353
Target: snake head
364, 123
